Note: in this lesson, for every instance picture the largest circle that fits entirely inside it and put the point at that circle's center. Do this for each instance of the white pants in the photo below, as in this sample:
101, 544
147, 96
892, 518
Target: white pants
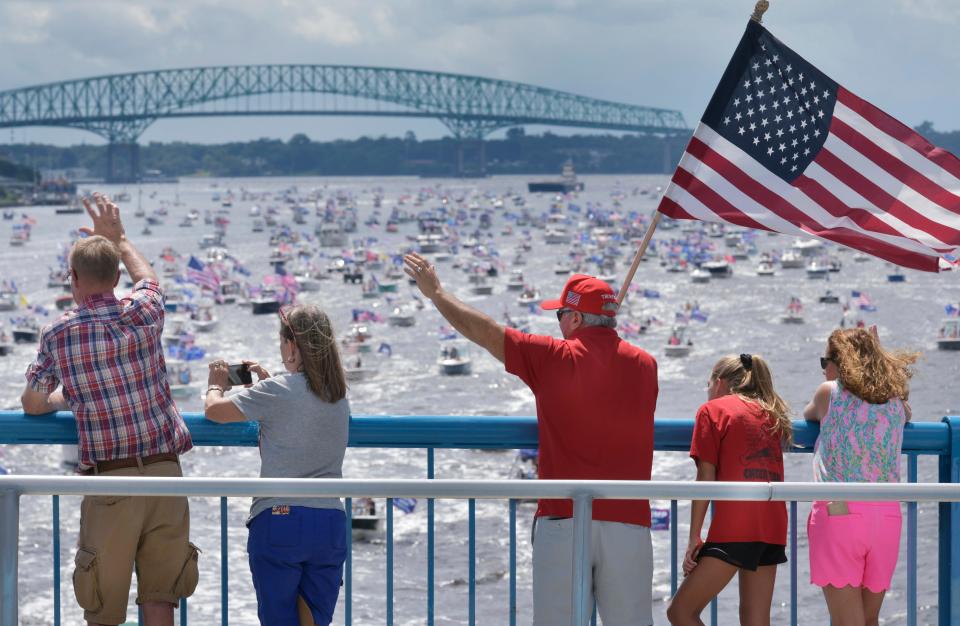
620, 575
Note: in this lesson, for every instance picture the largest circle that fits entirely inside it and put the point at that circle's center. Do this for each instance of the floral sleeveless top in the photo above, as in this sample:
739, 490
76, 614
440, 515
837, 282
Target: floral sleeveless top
859, 441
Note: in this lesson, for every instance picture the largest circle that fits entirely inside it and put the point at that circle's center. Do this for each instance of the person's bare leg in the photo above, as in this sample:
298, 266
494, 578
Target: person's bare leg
756, 595
157, 614
306, 617
703, 584
871, 606
845, 605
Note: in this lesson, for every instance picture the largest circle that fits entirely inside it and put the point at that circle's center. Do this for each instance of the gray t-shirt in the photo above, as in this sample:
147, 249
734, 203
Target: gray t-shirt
301, 436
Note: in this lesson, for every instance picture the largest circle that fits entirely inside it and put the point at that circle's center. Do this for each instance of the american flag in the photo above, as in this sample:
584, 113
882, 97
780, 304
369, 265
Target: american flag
201, 275
782, 147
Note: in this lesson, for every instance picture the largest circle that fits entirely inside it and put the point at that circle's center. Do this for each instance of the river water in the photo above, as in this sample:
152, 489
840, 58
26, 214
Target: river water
743, 310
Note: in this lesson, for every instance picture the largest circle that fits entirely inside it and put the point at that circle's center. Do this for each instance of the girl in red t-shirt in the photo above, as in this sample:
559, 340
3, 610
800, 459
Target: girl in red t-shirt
739, 435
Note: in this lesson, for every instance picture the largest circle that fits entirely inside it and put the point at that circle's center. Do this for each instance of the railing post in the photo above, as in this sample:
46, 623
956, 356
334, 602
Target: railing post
949, 587
582, 574
9, 540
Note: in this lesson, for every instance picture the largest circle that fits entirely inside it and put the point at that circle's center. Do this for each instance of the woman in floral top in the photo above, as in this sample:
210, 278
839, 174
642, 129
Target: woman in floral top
862, 409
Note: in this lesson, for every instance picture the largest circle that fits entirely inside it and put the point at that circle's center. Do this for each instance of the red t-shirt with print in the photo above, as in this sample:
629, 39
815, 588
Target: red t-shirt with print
735, 436
596, 396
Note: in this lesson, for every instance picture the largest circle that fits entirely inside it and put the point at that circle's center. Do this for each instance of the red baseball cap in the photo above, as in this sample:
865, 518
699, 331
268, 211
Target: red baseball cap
586, 294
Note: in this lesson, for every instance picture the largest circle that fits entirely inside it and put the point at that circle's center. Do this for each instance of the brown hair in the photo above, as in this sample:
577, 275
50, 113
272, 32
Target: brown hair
866, 369
310, 328
749, 377
96, 258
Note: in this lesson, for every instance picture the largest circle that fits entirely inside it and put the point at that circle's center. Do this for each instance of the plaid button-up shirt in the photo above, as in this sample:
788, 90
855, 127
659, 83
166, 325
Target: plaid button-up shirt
107, 355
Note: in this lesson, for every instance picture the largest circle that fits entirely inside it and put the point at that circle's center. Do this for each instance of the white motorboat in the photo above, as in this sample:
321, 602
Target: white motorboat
949, 337
718, 268
402, 316
366, 519
678, 344
454, 359
515, 282
204, 320
765, 268
357, 339
817, 269
829, 297
792, 260
794, 312
529, 296
265, 302
700, 276
481, 287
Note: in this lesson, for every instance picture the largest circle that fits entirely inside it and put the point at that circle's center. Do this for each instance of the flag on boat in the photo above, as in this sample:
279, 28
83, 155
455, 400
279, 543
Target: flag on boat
951, 310
202, 275
782, 147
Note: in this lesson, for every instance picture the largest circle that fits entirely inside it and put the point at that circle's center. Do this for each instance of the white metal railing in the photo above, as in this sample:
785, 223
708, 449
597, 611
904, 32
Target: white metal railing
581, 492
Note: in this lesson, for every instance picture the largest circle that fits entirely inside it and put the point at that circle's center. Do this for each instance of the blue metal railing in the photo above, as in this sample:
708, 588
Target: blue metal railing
940, 439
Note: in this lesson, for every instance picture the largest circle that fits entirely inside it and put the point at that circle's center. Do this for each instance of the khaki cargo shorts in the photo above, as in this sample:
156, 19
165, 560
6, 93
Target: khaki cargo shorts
118, 532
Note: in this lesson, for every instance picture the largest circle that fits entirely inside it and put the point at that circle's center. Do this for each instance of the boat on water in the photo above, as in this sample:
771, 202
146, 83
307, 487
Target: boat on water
794, 312
529, 296
402, 316
454, 359
678, 343
330, 235
357, 339
25, 329
266, 302
70, 209
6, 343
63, 302
229, 291
354, 370
718, 268
8, 300
817, 269
480, 286
829, 297
896, 276
180, 379
792, 260
568, 182
700, 275
949, 337
766, 268
204, 320
366, 519
515, 281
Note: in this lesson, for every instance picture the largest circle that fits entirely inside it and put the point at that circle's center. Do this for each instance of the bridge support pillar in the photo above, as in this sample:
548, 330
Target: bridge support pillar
949, 588
132, 162
9, 544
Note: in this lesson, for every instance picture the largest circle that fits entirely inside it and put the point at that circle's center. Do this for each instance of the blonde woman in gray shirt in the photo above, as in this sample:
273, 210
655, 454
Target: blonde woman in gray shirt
296, 546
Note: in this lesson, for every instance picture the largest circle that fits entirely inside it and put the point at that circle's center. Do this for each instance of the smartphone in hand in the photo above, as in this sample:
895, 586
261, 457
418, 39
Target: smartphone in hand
240, 374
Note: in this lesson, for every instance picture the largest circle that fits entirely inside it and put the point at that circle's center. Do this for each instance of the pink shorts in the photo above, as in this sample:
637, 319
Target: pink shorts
859, 549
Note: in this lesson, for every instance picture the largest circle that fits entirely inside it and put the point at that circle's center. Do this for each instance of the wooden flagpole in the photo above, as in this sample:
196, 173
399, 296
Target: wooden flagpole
759, 9
638, 257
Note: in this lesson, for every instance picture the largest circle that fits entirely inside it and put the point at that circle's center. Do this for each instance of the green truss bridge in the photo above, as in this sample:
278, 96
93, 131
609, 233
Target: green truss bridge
120, 107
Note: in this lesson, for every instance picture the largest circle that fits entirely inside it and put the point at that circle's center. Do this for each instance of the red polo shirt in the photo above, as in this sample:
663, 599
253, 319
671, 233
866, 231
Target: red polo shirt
596, 395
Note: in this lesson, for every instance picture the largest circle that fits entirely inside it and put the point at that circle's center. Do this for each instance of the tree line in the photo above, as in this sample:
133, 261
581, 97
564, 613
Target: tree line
515, 153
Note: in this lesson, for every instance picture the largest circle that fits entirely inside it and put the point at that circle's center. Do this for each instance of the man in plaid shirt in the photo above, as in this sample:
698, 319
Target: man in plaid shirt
107, 360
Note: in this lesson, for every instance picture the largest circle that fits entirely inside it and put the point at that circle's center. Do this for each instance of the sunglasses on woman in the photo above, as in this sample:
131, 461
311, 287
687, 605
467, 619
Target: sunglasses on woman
823, 362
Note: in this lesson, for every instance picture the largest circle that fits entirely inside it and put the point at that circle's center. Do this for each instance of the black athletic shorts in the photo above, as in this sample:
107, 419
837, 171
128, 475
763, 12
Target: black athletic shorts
745, 554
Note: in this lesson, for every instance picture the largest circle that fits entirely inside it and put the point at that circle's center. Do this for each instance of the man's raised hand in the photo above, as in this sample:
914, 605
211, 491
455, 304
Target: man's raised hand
106, 218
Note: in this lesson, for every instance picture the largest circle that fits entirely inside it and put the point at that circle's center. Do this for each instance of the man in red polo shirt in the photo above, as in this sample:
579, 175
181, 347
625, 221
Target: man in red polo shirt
596, 397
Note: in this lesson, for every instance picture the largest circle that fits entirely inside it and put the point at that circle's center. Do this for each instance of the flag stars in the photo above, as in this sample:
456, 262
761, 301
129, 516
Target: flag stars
766, 136
776, 57
795, 156
736, 102
742, 130
813, 85
806, 138
790, 81
750, 112
789, 115
786, 100
816, 99
789, 68
793, 169
803, 123
803, 91
769, 151
826, 94
756, 141
738, 116
764, 122
762, 108
756, 66
775, 105
748, 98
783, 160
806, 152
778, 119
782, 147
726, 121
800, 76
769, 74
793, 128
779, 132
757, 80
794, 143
816, 133
820, 114
746, 84
753, 126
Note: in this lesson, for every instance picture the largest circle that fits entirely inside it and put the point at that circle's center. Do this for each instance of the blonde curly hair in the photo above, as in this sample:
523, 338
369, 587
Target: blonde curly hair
866, 369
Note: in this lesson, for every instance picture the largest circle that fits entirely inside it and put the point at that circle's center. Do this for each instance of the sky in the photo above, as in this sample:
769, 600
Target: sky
899, 54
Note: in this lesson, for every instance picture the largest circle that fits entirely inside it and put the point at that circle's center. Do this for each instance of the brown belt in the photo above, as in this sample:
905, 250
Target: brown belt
115, 464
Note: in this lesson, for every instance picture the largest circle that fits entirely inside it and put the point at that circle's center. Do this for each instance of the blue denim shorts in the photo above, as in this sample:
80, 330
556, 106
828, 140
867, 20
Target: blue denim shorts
297, 551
